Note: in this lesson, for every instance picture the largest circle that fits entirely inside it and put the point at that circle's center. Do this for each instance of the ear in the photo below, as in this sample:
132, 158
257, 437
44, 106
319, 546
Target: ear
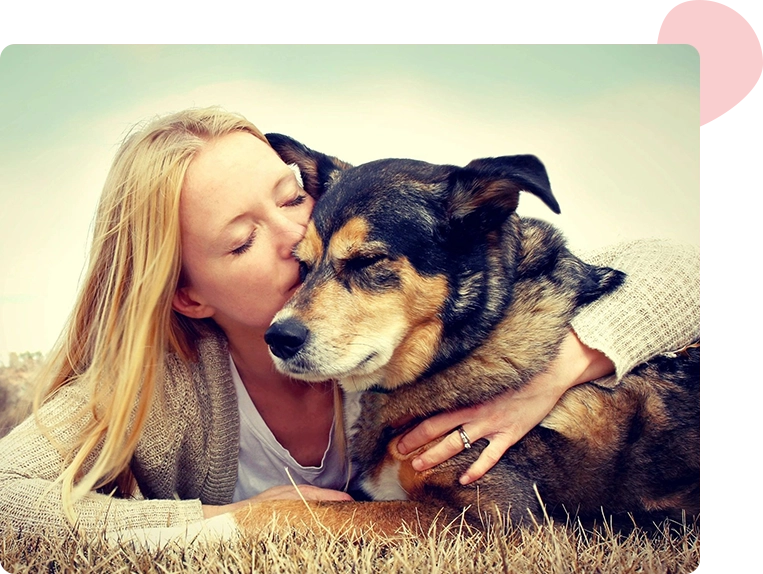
317, 169
598, 281
184, 303
487, 190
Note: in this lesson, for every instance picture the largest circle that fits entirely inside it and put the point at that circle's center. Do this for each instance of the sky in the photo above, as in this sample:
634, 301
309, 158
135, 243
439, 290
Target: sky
616, 126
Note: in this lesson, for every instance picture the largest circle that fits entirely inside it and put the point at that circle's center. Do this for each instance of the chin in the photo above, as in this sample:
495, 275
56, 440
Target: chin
357, 378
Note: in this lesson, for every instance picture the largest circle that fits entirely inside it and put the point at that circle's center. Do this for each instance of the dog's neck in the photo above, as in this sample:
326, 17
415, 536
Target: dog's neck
525, 316
517, 253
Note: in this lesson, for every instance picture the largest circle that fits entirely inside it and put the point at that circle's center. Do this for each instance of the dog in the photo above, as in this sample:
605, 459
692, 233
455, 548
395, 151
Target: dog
423, 288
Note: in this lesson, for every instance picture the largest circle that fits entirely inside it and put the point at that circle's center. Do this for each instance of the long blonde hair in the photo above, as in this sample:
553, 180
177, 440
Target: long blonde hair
123, 324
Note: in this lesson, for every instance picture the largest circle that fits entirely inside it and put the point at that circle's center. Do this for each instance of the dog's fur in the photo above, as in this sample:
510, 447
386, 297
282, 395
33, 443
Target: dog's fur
423, 287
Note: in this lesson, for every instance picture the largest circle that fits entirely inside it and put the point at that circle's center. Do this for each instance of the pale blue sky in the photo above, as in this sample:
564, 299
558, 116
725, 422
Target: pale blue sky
616, 126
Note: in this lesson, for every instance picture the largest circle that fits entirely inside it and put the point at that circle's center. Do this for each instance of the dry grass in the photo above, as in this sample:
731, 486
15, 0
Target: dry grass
545, 548
16, 381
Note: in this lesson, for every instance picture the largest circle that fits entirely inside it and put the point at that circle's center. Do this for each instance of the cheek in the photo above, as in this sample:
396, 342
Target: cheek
251, 299
236, 284
264, 280
306, 211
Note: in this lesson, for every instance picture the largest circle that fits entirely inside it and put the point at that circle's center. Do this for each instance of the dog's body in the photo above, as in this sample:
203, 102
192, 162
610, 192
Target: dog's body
423, 287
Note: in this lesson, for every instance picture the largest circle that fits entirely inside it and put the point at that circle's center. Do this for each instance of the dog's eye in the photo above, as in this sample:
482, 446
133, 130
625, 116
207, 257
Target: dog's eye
370, 272
304, 269
358, 263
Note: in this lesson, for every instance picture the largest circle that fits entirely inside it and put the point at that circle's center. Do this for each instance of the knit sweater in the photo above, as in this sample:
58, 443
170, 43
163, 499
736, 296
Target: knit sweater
187, 454
655, 311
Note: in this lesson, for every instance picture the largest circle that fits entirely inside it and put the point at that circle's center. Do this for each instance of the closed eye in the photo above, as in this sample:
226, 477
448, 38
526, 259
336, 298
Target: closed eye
244, 247
373, 271
304, 269
363, 262
298, 200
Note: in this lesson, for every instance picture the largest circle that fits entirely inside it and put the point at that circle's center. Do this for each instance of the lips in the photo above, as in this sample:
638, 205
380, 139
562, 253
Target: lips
366, 360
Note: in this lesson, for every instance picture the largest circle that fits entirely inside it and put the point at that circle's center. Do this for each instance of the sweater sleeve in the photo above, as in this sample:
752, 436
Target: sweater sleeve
656, 310
30, 497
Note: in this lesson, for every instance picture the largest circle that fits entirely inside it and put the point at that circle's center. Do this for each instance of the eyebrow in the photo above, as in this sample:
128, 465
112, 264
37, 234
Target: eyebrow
279, 183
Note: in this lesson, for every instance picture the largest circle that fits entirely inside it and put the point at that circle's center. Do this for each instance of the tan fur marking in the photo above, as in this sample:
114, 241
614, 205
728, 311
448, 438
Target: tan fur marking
667, 503
328, 296
402, 320
583, 414
500, 192
423, 298
656, 411
342, 518
348, 239
412, 481
528, 326
406, 470
310, 249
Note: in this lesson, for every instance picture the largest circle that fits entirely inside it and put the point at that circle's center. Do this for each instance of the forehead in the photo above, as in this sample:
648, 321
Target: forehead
393, 198
226, 175
348, 241
226, 159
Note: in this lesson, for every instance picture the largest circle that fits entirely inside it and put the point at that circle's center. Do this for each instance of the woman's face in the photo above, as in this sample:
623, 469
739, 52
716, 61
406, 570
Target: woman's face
241, 213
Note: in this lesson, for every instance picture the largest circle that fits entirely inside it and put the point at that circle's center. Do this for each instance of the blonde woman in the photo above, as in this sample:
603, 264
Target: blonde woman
160, 406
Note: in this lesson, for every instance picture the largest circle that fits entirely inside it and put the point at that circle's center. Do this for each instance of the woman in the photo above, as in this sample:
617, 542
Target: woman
161, 389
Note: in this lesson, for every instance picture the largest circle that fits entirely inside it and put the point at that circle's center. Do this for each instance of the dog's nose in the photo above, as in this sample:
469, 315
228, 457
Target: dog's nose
286, 337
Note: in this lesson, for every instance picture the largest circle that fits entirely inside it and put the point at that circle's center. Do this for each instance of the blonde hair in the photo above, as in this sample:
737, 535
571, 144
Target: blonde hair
123, 324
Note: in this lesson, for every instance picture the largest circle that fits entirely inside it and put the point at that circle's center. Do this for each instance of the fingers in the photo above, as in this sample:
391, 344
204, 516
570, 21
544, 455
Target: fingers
315, 493
488, 458
306, 491
432, 428
503, 421
450, 446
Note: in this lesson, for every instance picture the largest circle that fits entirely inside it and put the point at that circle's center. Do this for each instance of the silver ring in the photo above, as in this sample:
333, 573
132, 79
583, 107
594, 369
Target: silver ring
464, 438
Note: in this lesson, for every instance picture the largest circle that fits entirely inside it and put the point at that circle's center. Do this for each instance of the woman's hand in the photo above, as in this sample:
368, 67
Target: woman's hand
308, 492
508, 417
284, 492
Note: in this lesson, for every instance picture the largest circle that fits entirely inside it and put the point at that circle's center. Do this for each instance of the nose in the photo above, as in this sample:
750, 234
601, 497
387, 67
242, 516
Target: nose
287, 234
285, 338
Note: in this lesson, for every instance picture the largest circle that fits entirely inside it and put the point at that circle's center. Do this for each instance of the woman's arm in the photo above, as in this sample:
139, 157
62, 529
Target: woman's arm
656, 310
31, 499
283, 492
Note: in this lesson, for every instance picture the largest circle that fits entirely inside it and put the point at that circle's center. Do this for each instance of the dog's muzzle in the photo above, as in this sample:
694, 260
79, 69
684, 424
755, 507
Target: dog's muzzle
285, 338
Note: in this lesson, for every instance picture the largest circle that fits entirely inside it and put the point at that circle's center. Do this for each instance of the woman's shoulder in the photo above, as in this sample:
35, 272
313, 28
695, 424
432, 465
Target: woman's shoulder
638, 252
202, 383
210, 358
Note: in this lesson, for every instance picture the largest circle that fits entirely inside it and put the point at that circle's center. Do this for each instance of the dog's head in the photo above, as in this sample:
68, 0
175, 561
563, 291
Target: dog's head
394, 252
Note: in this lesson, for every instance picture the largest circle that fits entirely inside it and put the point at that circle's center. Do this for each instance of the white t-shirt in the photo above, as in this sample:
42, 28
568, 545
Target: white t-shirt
262, 461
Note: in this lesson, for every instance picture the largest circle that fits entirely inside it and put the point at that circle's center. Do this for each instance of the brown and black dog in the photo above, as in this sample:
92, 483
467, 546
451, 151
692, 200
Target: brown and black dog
423, 287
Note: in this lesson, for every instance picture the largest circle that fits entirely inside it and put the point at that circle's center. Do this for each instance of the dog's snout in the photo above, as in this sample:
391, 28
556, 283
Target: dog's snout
285, 338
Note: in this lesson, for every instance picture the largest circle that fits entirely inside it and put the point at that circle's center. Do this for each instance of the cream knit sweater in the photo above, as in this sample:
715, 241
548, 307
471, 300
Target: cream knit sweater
188, 451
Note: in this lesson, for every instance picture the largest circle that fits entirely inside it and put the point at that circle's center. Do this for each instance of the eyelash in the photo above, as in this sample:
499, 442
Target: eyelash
245, 247
299, 200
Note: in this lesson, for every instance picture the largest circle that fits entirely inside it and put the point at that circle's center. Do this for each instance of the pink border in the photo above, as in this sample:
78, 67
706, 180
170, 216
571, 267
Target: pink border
723, 35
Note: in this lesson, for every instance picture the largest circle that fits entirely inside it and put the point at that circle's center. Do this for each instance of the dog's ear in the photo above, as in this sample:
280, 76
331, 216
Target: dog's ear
316, 168
487, 190
597, 281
